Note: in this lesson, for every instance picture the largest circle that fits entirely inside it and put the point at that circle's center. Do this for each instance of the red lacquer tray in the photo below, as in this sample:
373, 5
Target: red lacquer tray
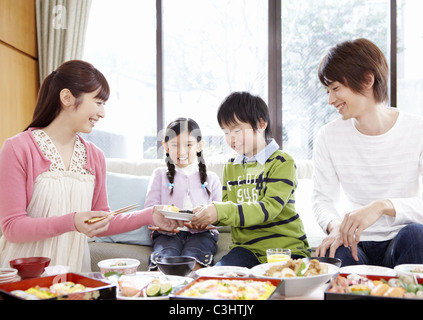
351, 296
97, 289
178, 295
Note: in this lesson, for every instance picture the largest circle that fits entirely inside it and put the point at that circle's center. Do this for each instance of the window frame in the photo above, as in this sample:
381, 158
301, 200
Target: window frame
275, 72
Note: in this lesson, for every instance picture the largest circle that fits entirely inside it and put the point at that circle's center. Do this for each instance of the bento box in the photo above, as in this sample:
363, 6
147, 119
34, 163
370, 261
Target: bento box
230, 288
67, 286
373, 287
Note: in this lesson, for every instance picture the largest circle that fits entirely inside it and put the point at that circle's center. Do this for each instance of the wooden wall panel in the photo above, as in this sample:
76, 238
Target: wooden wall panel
18, 26
18, 91
19, 82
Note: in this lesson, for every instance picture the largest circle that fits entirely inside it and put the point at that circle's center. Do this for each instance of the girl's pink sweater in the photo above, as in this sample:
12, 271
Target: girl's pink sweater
21, 162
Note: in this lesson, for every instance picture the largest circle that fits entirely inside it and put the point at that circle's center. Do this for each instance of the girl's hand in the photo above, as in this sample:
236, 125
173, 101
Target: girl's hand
204, 216
93, 229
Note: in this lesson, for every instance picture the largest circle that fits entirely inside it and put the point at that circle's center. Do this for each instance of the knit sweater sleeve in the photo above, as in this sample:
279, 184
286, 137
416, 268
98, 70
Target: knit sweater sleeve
96, 159
16, 180
153, 196
126, 222
267, 196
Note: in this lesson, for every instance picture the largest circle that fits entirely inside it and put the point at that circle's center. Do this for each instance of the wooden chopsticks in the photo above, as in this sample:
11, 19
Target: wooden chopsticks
113, 213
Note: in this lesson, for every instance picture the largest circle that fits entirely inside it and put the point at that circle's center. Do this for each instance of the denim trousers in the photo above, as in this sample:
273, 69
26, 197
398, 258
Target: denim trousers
202, 246
406, 247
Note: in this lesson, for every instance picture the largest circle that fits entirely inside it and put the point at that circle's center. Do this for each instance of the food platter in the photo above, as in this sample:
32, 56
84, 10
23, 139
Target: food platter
95, 289
184, 216
143, 279
218, 288
341, 288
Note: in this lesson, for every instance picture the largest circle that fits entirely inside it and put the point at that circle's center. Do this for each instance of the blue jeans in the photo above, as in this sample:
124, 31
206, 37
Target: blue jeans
202, 246
239, 257
406, 247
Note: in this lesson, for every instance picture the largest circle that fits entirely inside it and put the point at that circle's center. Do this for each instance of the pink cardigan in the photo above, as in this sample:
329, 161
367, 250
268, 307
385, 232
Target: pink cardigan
21, 162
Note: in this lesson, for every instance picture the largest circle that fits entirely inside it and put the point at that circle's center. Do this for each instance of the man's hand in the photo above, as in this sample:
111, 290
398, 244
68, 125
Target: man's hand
332, 242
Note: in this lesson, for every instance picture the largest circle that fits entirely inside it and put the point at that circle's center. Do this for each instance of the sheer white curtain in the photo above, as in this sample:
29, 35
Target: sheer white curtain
61, 26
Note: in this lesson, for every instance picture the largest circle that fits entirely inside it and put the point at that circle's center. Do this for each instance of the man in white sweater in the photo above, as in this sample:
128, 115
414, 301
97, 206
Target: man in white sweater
373, 155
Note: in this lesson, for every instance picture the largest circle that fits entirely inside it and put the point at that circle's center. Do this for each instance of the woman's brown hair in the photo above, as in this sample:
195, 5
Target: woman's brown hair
350, 63
79, 77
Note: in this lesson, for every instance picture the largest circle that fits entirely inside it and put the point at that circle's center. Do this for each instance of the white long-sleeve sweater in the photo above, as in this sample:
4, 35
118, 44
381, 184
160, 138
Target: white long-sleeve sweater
367, 168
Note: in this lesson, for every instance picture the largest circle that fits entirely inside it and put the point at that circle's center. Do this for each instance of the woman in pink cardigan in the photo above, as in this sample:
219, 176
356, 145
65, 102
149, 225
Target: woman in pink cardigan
52, 181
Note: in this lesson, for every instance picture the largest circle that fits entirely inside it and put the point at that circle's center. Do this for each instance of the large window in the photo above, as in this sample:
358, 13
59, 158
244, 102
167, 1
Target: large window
410, 63
186, 61
309, 29
210, 49
121, 43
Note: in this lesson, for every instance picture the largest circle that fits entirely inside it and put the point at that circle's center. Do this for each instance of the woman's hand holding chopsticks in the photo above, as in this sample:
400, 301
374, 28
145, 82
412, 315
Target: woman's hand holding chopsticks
92, 229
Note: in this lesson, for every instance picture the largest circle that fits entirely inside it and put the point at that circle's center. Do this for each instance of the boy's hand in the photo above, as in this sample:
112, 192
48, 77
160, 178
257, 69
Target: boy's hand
204, 216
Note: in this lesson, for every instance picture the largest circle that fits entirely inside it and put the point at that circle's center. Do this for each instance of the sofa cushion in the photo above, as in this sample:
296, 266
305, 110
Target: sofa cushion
303, 196
124, 190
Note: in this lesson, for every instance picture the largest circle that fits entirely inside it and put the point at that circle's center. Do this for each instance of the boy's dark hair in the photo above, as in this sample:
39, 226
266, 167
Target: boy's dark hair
244, 107
350, 63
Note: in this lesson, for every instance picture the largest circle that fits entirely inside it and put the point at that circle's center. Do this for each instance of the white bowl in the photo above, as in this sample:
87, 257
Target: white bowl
119, 265
407, 270
298, 286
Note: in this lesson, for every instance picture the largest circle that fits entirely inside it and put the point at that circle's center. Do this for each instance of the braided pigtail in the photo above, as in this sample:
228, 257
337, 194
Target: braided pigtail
170, 172
203, 171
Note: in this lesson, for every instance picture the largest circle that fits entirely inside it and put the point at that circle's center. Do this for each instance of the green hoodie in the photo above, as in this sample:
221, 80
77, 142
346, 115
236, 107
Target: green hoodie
259, 205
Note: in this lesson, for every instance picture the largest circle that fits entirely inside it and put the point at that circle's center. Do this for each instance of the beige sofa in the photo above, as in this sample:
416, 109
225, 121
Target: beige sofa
127, 183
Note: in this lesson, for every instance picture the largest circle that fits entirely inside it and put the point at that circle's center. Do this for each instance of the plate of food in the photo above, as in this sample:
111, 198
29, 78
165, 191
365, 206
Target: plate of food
212, 288
299, 277
224, 271
410, 270
67, 286
149, 286
370, 287
173, 212
363, 269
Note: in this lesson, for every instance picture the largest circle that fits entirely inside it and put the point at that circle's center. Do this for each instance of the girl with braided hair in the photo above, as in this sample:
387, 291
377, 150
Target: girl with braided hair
185, 183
